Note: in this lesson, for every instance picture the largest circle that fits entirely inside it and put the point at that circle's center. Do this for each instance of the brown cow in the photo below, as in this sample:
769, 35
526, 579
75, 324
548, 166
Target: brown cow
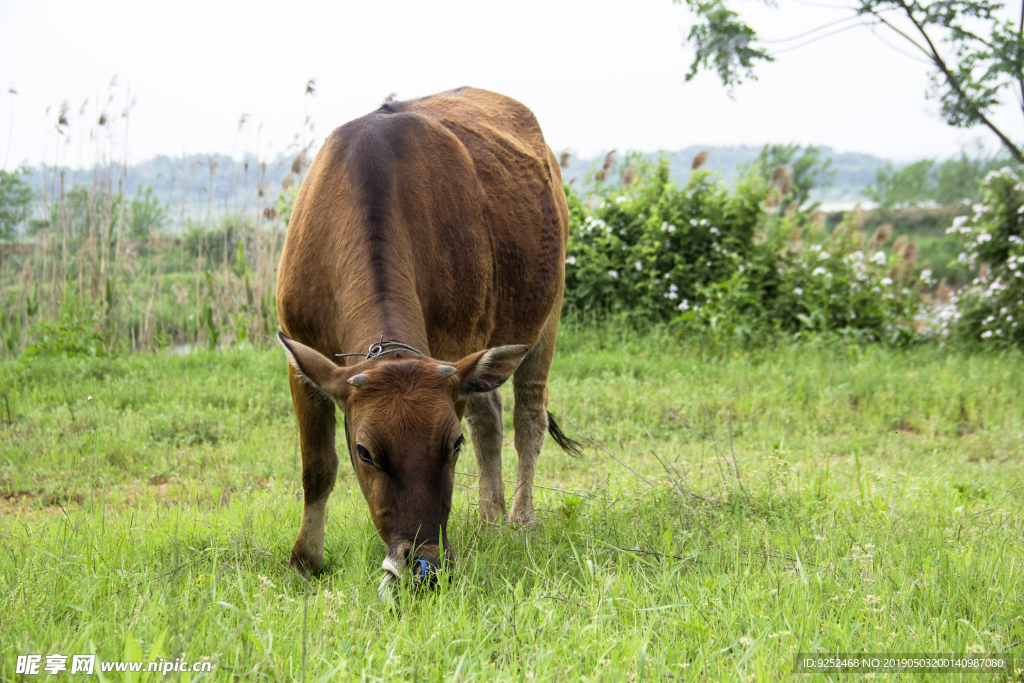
436, 228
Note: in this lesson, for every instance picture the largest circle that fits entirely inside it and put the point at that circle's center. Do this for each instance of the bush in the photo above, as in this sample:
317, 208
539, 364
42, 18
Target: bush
646, 248
988, 311
75, 334
830, 286
732, 264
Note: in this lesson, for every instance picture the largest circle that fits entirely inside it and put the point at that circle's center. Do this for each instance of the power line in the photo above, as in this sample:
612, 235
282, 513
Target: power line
813, 30
814, 40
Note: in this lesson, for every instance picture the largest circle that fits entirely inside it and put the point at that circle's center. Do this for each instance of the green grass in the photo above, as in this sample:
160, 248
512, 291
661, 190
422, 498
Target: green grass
846, 499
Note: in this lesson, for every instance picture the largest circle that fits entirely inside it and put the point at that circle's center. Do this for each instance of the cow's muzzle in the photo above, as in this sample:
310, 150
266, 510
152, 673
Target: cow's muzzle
420, 563
422, 569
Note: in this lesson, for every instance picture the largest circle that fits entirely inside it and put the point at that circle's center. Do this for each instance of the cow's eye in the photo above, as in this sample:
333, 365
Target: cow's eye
363, 454
458, 446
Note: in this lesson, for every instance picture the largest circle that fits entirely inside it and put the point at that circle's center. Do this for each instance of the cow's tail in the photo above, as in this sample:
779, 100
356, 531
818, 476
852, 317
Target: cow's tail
570, 446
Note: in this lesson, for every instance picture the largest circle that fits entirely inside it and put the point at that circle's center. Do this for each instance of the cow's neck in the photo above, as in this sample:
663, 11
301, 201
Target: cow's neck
392, 316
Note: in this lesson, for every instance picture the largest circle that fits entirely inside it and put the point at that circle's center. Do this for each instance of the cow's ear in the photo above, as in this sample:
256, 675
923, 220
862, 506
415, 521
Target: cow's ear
315, 368
488, 369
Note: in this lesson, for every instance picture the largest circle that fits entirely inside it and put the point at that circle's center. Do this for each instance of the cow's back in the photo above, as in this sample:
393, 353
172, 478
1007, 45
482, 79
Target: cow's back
446, 212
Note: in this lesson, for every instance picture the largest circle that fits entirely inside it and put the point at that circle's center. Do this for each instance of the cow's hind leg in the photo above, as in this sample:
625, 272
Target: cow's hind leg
316, 419
483, 416
530, 417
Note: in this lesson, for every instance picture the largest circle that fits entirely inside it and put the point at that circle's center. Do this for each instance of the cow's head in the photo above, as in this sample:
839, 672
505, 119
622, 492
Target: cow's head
404, 437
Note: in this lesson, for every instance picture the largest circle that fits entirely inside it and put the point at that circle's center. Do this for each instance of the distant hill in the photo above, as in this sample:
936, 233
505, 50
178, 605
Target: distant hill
185, 183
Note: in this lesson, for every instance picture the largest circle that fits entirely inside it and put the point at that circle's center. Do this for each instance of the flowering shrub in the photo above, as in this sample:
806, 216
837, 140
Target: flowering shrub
989, 309
830, 286
730, 265
645, 249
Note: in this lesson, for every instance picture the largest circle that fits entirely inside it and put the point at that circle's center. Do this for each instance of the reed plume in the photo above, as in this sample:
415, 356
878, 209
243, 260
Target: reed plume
881, 236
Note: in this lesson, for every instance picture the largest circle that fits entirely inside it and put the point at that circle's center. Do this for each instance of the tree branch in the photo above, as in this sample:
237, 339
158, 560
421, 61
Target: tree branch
913, 42
955, 84
1020, 78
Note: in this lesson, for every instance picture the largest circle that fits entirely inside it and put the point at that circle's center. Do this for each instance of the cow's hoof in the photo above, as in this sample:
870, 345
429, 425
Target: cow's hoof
522, 517
491, 515
305, 565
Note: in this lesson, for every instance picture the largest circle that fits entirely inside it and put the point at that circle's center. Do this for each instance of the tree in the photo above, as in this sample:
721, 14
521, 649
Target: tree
908, 186
147, 213
983, 55
958, 180
15, 200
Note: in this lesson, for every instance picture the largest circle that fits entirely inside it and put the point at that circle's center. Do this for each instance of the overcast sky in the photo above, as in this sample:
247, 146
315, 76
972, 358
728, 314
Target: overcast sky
599, 74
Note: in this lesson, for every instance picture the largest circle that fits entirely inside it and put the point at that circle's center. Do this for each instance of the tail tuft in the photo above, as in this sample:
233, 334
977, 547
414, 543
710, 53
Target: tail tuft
570, 446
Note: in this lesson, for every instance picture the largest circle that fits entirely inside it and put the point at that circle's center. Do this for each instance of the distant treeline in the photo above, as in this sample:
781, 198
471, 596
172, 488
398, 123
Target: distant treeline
850, 171
196, 187
191, 191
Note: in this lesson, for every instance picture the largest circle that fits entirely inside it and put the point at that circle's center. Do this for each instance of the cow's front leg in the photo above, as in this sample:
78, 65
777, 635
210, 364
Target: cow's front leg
317, 423
483, 416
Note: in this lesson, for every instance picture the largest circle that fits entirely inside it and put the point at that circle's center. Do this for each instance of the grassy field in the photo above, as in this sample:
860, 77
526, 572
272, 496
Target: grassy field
822, 499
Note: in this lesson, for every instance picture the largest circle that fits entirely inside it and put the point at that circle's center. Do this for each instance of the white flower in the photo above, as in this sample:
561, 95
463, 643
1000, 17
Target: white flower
613, 273
683, 305
984, 237
638, 266
815, 247
798, 291
819, 271
926, 275
978, 208
823, 255
620, 199
879, 258
856, 256
673, 288
886, 281
986, 334
714, 231
671, 295
571, 260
